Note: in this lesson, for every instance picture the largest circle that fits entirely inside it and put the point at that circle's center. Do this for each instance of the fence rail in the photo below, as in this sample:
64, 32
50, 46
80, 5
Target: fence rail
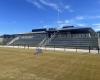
89, 49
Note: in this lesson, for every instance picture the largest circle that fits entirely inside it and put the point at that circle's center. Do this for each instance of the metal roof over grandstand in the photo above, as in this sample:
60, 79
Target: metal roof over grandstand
71, 29
77, 29
65, 29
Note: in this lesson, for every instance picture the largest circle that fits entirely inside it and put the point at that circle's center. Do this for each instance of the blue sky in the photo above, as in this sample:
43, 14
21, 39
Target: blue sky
19, 16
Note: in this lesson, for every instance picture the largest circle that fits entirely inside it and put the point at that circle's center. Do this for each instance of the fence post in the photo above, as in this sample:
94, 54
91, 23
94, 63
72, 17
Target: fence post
45, 47
54, 48
13, 45
64, 49
28, 46
18, 46
98, 50
89, 49
76, 49
24, 46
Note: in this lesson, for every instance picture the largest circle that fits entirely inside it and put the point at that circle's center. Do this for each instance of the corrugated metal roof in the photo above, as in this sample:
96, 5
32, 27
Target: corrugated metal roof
74, 28
77, 29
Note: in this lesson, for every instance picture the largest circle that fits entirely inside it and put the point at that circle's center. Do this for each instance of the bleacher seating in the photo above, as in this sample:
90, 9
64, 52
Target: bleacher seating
73, 42
32, 40
68, 36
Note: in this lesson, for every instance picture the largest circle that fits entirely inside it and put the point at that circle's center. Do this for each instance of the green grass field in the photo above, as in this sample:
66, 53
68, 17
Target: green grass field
20, 64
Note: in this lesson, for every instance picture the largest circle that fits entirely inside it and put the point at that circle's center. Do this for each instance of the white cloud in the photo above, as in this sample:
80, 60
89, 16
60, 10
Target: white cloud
94, 17
67, 21
46, 26
58, 6
68, 7
96, 26
52, 5
87, 17
81, 24
80, 17
75, 21
35, 3
62, 23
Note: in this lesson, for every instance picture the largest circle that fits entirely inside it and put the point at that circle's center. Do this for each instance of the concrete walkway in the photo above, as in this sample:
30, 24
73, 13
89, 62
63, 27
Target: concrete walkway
56, 49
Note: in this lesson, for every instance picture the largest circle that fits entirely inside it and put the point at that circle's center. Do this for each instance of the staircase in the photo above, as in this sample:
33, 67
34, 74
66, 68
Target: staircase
48, 40
13, 40
41, 44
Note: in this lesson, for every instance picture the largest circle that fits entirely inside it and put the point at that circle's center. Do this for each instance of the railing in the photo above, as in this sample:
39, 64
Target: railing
41, 44
12, 41
75, 49
48, 40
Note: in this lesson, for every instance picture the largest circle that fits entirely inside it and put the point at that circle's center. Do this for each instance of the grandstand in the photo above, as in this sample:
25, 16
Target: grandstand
67, 36
31, 39
98, 33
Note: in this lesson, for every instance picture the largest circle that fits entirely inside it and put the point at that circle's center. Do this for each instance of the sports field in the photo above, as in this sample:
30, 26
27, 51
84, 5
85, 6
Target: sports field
21, 64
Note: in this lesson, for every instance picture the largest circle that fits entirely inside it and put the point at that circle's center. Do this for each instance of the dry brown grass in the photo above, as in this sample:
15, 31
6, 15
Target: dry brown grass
20, 64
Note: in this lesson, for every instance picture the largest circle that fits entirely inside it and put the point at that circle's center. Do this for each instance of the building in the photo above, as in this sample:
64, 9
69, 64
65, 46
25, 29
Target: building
68, 36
